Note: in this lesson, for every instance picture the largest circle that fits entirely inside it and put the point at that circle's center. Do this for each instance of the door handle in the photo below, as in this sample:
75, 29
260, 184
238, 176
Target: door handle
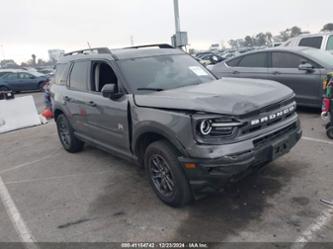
276, 73
235, 72
92, 103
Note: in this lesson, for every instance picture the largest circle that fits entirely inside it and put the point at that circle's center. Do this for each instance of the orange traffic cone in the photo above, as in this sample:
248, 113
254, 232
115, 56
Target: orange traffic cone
47, 113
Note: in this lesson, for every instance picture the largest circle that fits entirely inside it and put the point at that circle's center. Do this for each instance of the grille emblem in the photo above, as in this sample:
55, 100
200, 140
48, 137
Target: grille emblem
273, 116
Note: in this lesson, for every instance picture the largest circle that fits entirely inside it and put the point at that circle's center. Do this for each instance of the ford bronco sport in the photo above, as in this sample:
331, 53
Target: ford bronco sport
163, 109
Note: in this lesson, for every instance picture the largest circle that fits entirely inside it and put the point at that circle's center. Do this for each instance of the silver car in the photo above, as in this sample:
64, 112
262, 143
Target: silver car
302, 69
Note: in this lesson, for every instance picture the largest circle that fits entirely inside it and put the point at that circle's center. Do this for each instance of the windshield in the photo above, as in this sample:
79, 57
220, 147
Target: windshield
320, 56
164, 72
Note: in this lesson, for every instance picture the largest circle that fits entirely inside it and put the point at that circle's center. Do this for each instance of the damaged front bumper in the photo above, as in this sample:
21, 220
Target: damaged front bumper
238, 159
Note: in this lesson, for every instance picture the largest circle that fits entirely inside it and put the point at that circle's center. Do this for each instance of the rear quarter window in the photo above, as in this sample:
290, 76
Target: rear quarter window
312, 42
61, 74
233, 62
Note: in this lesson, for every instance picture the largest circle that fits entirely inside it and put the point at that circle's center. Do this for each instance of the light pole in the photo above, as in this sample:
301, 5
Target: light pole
179, 39
176, 11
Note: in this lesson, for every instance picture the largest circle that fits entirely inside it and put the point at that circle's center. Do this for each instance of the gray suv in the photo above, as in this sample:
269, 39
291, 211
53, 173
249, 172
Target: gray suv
162, 109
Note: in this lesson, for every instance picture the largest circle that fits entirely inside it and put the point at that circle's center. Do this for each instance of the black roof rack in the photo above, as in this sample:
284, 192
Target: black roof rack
103, 50
161, 45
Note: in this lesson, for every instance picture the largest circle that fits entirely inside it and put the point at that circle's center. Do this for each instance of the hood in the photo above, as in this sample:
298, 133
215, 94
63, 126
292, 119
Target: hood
228, 96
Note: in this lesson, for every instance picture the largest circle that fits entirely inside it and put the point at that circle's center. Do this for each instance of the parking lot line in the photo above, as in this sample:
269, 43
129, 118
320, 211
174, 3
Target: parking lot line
15, 216
27, 163
307, 235
56, 177
317, 140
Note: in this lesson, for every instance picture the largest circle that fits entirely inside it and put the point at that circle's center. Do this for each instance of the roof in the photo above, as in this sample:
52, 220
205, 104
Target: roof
290, 49
130, 53
121, 54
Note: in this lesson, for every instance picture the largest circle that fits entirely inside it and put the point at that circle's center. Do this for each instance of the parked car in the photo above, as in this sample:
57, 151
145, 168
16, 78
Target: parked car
301, 69
323, 41
21, 80
164, 110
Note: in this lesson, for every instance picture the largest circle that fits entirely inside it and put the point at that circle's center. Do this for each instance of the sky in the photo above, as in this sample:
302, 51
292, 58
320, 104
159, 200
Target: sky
34, 26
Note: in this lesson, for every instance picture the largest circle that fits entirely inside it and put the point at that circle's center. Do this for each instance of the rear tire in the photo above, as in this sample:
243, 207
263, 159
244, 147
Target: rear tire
40, 86
166, 175
66, 135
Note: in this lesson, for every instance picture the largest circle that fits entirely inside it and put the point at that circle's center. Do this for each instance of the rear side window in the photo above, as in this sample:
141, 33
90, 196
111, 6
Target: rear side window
61, 74
286, 60
329, 45
312, 42
254, 60
234, 62
11, 76
78, 77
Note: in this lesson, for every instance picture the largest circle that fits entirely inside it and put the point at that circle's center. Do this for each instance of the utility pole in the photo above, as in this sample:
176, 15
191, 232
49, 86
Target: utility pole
176, 10
179, 39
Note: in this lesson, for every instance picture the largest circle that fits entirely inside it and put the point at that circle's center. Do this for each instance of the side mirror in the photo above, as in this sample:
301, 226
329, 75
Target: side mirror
306, 67
108, 90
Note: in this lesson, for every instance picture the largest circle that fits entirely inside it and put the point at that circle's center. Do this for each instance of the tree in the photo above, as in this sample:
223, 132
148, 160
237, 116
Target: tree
33, 59
290, 33
295, 31
248, 41
260, 39
269, 39
328, 27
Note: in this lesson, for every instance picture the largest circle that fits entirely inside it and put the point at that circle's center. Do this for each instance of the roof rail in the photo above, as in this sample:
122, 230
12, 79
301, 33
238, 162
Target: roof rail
102, 50
161, 45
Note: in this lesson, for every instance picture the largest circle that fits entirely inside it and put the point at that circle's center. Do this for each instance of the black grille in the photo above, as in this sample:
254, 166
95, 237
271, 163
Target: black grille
248, 128
264, 140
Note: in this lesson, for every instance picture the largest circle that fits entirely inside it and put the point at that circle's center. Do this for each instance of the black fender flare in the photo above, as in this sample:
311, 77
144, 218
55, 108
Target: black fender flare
159, 129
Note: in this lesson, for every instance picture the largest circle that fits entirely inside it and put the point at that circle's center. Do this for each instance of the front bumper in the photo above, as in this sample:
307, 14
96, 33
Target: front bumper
238, 159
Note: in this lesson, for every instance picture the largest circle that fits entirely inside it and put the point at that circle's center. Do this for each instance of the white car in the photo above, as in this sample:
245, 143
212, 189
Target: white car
322, 41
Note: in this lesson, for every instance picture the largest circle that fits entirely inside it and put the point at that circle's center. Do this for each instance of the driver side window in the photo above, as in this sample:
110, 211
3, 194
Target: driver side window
25, 76
102, 74
287, 60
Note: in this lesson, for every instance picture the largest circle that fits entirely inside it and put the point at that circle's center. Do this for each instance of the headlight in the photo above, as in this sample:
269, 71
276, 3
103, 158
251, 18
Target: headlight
205, 127
211, 127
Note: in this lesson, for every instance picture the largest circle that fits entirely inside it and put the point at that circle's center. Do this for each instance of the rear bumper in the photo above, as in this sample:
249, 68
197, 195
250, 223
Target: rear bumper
212, 173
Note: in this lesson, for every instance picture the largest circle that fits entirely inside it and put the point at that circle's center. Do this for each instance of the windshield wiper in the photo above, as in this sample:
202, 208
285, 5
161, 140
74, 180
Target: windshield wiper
149, 89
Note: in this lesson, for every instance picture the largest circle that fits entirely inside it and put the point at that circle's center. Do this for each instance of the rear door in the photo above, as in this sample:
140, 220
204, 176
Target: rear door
254, 65
306, 84
74, 97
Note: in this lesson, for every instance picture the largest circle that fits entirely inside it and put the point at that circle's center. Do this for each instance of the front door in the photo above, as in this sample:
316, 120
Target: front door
306, 84
107, 119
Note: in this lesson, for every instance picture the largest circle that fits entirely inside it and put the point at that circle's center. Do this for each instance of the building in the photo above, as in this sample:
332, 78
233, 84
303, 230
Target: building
55, 54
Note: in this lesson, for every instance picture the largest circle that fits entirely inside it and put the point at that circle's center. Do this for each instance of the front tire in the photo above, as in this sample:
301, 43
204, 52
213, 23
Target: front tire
166, 175
66, 135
